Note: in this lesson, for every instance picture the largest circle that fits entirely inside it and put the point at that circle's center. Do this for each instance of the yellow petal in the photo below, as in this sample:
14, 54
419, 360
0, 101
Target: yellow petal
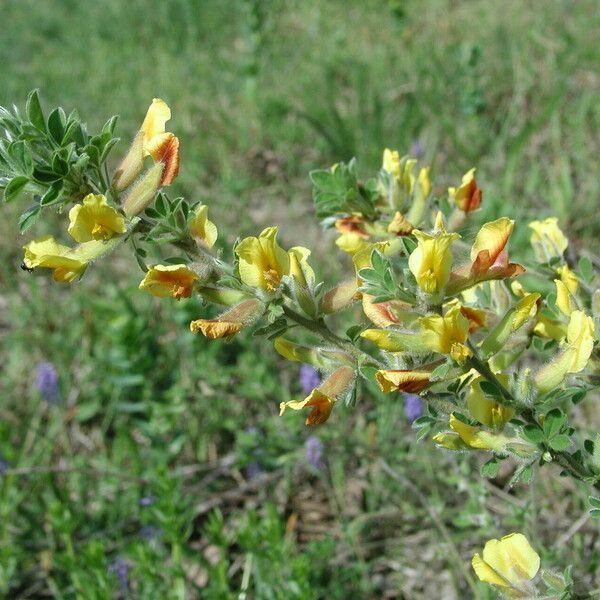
201, 229
320, 403
262, 261
214, 329
153, 126
468, 196
299, 267
403, 380
48, 253
431, 261
492, 238
486, 573
513, 559
176, 281
564, 301
547, 239
94, 219
568, 278
391, 162
450, 441
580, 337
486, 410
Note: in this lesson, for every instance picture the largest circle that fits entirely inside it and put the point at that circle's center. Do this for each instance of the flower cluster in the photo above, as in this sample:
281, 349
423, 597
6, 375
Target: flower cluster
491, 353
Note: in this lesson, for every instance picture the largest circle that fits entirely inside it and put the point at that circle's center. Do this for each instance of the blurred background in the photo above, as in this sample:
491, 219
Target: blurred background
137, 461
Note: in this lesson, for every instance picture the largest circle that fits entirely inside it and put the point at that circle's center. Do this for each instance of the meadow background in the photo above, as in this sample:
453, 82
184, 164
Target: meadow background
160, 468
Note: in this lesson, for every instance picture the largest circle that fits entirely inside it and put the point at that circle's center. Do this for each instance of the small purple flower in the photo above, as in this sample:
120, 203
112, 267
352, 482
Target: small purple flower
253, 469
309, 378
413, 407
149, 533
147, 500
47, 382
120, 568
417, 149
3, 466
313, 451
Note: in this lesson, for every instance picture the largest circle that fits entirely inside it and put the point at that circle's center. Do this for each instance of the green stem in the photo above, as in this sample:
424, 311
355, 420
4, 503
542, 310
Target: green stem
563, 459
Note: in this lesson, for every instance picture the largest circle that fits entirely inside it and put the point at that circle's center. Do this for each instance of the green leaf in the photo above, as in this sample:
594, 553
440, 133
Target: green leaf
560, 442
553, 422
595, 513
490, 468
52, 193
29, 217
585, 268
491, 389
440, 371
533, 433
594, 502
33, 108
56, 124
14, 187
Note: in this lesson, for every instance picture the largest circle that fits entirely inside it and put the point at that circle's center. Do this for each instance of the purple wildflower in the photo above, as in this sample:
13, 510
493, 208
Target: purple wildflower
120, 568
3, 466
413, 407
255, 467
309, 378
147, 500
149, 533
417, 149
313, 451
47, 382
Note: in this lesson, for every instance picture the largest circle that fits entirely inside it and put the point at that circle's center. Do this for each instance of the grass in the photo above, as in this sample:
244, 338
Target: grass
144, 461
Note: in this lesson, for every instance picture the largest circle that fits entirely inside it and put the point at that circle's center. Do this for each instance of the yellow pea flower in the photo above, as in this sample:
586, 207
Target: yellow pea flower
230, 322
300, 270
568, 278
431, 261
575, 354
391, 162
467, 196
547, 239
176, 281
447, 334
201, 229
151, 140
549, 328
48, 253
400, 225
351, 243
66, 263
509, 563
485, 409
94, 219
564, 300
263, 262
405, 380
322, 399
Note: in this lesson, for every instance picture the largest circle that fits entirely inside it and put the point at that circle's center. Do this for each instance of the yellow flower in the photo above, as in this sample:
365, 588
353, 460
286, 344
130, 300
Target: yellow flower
47, 252
549, 328
404, 380
509, 563
431, 261
391, 162
574, 356
176, 281
151, 140
201, 229
351, 243
568, 278
263, 262
547, 239
231, 321
564, 300
447, 334
399, 225
485, 409
300, 270
95, 220
468, 196
322, 399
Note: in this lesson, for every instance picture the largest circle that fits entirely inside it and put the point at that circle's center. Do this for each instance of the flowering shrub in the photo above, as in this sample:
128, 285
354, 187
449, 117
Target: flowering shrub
497, 351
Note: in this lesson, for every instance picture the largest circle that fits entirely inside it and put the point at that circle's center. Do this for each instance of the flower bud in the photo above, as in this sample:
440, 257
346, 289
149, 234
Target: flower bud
230, 322
144, 192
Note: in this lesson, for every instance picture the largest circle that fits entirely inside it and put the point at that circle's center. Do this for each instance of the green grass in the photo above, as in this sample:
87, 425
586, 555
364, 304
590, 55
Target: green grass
261, 94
